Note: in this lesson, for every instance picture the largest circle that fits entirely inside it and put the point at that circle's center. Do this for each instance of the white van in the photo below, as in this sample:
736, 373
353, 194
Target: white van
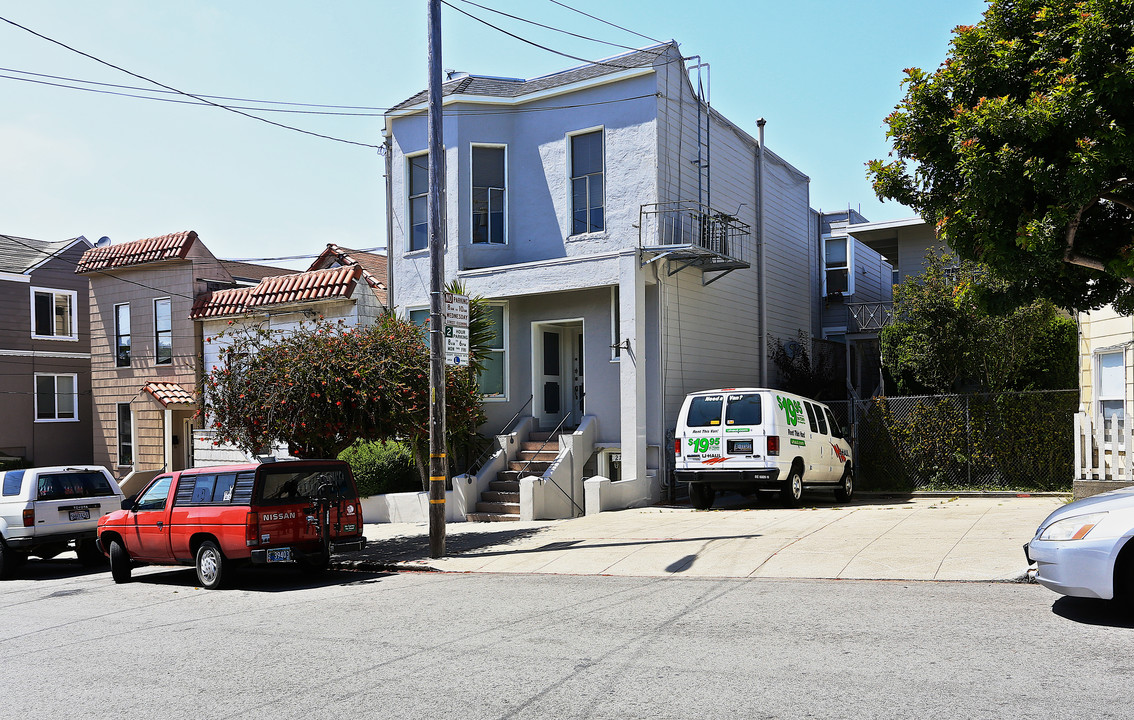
752, 439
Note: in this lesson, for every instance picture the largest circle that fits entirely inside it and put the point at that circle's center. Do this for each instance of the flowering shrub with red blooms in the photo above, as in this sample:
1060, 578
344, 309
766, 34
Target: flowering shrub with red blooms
321, 387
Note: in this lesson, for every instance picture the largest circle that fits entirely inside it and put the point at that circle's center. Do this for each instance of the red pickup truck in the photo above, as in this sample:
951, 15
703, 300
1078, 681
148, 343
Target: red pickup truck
295, 512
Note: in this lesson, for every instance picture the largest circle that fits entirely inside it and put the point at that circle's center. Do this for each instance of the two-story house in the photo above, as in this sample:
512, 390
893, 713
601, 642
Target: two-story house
45, 352
343, 286
632, 242
144, 348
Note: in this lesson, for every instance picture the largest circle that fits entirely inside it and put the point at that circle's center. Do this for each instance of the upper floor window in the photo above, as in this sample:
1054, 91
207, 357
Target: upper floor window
837, 277
56, 397
488, 194
53, 314
418, 202
163, 331
122, 335
587, 213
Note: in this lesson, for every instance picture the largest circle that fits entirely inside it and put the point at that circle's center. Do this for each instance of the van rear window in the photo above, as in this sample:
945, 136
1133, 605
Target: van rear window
282, 486
66, 486
743, 410
705, 411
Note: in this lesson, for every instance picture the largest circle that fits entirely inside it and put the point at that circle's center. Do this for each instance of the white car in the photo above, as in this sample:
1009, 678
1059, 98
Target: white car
47, 510
1083, 549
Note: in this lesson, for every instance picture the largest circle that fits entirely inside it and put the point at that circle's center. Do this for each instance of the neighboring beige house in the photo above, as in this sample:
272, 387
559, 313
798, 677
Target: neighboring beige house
1105, 340
144, 351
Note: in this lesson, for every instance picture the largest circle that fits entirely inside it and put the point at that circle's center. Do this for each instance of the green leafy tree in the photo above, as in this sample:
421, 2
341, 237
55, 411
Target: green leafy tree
1019, 148
944, 339
323, 386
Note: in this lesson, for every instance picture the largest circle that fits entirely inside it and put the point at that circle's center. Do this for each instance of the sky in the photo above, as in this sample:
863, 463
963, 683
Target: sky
824, 73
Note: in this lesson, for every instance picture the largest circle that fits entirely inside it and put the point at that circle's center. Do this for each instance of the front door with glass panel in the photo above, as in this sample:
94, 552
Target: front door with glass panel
557, 372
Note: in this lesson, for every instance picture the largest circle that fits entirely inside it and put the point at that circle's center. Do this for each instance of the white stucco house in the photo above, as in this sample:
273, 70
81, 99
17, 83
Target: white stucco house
634, 245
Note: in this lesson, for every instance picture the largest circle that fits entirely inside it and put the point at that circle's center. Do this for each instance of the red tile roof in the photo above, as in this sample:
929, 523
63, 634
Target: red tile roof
169, 393
309, 286
138, 252
373, 266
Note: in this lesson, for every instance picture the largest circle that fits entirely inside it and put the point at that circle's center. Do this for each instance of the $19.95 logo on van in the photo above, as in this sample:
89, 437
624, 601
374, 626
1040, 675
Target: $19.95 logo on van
792, 408
703, 444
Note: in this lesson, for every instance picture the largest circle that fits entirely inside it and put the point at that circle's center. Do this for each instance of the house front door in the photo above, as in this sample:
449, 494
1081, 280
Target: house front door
557, 373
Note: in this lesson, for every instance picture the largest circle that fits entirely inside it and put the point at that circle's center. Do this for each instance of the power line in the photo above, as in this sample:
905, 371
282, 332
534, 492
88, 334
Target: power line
195, 97
541, 47
447, 112
606, 22
550, 27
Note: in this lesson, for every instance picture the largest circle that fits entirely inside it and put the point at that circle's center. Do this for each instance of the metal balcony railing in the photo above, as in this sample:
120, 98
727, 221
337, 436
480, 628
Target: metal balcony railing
694, 234
869, 317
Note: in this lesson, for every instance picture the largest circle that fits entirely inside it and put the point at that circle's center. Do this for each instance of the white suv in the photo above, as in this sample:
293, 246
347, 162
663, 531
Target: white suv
48, 510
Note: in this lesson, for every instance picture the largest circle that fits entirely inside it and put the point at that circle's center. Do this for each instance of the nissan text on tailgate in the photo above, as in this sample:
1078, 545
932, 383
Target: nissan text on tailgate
287, 513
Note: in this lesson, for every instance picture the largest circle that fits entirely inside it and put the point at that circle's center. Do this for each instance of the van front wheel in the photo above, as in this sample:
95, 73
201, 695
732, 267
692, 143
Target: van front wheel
701, 495
792, 491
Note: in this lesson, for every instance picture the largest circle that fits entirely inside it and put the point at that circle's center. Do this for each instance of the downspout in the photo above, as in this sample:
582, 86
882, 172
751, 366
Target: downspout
389, 146
760, 273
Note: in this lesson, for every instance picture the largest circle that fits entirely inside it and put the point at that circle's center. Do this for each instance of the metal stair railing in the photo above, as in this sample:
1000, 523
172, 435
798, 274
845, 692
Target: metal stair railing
554, 434
476, 465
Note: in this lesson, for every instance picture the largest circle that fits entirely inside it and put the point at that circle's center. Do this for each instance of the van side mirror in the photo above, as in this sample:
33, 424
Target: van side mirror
845, 431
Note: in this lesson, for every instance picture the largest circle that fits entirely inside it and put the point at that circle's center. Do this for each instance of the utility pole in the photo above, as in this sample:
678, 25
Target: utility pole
438, 463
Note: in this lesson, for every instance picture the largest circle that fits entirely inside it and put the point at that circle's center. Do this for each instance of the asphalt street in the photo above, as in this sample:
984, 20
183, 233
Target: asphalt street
492, 645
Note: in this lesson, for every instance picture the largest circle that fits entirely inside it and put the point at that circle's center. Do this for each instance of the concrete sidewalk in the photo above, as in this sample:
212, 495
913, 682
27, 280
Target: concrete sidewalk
970, 538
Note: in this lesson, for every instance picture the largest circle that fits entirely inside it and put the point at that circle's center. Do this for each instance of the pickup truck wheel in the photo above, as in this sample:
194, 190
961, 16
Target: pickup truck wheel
88, 553
211, 565
845, 491
792, 491
701, 496
315, 564
119, 562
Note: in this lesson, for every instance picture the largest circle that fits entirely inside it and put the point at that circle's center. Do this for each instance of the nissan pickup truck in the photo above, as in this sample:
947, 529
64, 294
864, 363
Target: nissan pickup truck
286, 513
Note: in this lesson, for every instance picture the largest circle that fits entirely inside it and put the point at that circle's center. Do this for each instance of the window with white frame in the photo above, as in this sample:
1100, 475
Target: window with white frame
122, 335
489, 194
837, 262
53, 314
493, 380
125, 435
587, 210
56, 398
420, 317
1111, 384
163, 331
418, 186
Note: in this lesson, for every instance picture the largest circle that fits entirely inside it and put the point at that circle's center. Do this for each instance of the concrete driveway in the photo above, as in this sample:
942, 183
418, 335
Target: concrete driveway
966, 538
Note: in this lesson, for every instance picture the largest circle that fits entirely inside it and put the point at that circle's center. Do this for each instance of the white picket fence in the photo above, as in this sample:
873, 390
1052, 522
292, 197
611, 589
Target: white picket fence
1102, 448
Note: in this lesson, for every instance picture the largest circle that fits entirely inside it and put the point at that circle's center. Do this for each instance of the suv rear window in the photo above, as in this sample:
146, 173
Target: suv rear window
705, 411
743, 410
281, 486
13, 479
67, 486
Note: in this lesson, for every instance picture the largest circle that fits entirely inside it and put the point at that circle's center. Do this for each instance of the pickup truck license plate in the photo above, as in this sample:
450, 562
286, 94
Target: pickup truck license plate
83, 514
279, 555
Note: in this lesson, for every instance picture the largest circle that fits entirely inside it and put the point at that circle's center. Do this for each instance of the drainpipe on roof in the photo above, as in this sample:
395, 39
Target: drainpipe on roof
389, 145
760, 274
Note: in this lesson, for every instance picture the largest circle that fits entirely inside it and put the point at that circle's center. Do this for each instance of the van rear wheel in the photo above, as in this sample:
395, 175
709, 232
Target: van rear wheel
792, 491
845, 491
701, 495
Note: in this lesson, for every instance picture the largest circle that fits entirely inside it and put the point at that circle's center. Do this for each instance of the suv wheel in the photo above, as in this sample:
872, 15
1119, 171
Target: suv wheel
119, 562
792, 491
88, 553
845, 491
211, 565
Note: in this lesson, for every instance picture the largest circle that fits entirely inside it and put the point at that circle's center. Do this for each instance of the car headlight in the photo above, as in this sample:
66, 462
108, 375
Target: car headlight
1072, 528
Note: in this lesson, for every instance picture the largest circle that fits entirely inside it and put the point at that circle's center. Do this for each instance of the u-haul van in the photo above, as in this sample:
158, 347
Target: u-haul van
752, 439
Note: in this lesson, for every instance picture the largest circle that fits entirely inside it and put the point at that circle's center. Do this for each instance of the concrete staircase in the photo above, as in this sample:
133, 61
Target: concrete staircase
501, 501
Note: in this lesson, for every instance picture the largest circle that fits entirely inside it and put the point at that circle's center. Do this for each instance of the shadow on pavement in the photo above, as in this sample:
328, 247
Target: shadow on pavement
268, 580
1090, 611
55, 568
416, 547
735, 501
635, 542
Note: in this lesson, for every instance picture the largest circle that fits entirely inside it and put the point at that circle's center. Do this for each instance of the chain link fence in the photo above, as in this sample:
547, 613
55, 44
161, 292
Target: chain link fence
1008, 441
